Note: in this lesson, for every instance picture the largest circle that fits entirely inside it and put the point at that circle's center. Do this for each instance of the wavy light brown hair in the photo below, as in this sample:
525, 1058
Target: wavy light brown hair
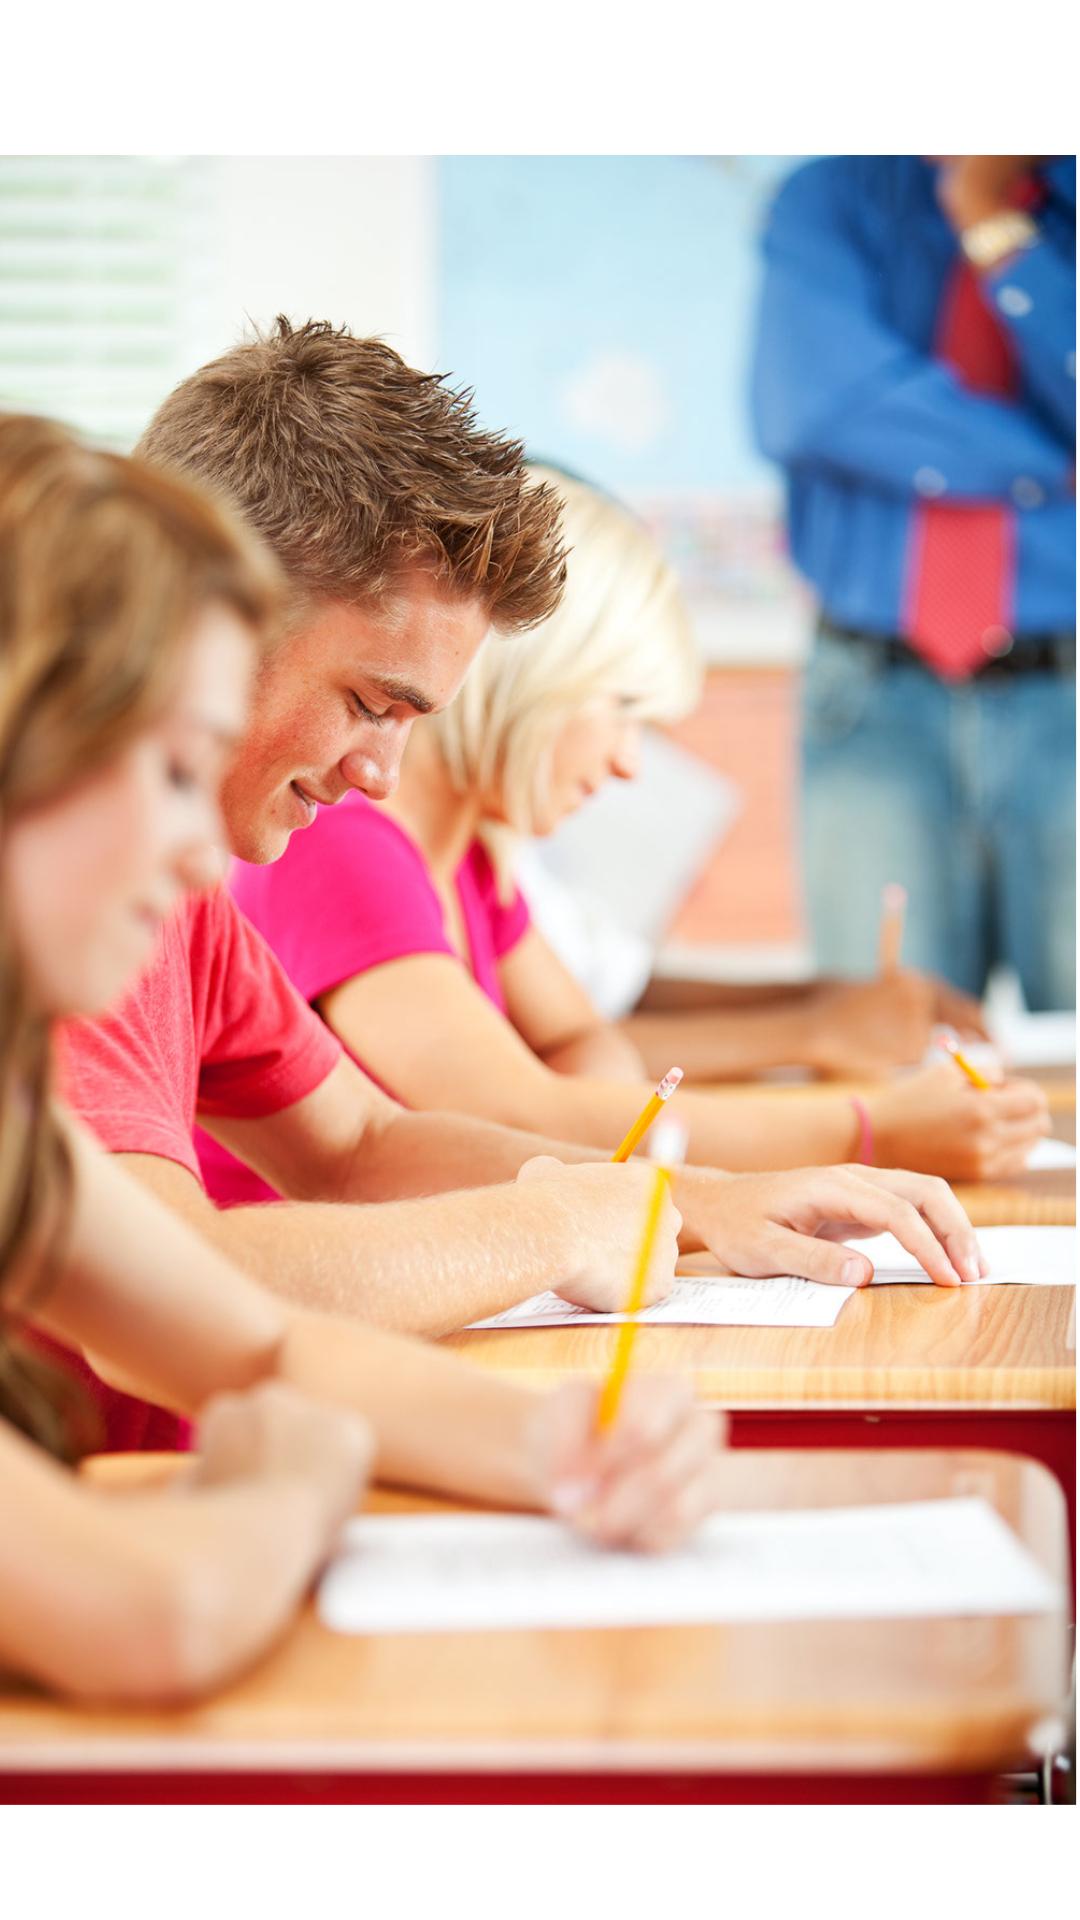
353, 466
104, 566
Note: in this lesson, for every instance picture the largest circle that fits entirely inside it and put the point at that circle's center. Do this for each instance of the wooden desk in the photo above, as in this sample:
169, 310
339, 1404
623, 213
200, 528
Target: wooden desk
891, 1710
978, 1347
1031, 1200
991, 1368
903, 1366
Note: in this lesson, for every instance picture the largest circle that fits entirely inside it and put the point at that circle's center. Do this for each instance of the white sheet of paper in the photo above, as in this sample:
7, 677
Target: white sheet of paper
1048, 1155
1035, 1039
1018, 1256
698, 1301
437, 1573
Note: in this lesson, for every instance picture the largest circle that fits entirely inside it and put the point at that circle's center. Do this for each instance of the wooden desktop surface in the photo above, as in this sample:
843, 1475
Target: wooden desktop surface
894, 1346
917, 1347
945, 1696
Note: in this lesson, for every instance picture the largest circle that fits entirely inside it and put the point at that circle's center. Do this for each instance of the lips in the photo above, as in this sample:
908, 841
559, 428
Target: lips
306, 804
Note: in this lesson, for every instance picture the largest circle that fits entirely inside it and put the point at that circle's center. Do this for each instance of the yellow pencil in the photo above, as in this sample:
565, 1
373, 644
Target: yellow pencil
893, 907
648, 1113
611, 1392
965, 1066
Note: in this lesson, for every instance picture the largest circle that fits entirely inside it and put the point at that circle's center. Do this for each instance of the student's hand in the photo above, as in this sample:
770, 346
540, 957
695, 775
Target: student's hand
971, 186
952, 1008
759, 1224
273, 1432
606, 1207
937, 1122
863, 1029
645, 1483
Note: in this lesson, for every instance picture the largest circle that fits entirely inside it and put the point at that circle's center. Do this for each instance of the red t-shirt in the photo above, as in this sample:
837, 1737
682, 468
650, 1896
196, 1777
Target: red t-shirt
213, 1026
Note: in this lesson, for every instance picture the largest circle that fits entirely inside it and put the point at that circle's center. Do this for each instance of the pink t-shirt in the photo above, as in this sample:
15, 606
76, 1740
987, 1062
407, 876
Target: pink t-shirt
354, 891
214, 1026
350, 893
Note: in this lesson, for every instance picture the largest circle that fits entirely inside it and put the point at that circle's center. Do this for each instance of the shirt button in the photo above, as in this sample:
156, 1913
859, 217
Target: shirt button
1070, 364
929, 482
997, 640
1027, 493
1014, 301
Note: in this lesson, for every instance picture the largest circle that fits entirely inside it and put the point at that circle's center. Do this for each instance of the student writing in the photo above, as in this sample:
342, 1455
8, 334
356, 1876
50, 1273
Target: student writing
403, 924
405, 533
128, 611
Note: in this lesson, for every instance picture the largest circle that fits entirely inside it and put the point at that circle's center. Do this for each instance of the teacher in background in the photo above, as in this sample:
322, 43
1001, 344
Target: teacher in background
915, 377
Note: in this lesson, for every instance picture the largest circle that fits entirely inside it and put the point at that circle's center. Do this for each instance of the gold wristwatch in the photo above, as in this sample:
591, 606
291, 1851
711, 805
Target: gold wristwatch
993, 239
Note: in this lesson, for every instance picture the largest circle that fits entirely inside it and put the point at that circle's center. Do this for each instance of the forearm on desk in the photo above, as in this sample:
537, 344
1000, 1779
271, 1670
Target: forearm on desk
723, 1043
677, 993
439, 1423
426, 1267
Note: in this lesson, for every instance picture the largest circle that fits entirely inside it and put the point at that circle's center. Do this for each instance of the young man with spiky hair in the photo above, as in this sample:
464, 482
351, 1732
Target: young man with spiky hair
407, 534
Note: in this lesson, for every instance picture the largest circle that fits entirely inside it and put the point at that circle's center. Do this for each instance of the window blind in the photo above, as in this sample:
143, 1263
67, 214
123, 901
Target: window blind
102, 275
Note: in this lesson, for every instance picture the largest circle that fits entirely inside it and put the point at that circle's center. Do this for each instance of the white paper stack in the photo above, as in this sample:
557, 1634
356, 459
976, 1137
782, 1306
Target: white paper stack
700, 1301
437, 1573
1018, 1257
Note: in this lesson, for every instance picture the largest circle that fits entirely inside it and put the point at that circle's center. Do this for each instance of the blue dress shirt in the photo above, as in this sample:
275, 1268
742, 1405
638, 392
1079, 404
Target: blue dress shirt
865, 422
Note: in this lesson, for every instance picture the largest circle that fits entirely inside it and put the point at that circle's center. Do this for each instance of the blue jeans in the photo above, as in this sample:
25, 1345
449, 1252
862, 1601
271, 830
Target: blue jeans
965, 794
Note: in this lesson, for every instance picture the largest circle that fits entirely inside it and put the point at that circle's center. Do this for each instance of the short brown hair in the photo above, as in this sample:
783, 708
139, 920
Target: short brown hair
352, 465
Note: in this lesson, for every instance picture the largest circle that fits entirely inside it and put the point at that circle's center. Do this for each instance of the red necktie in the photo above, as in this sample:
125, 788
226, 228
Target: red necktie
962, 560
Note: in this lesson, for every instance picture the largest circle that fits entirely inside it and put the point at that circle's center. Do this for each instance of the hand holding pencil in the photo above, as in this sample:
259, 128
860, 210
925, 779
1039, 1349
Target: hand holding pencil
599, 1209
647, 1481
668, 1150
633, 1462
607, 1198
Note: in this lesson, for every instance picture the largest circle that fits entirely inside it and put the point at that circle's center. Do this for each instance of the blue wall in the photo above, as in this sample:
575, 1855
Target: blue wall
602, 308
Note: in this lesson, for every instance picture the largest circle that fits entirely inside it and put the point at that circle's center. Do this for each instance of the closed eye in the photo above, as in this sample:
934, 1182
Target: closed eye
365, 712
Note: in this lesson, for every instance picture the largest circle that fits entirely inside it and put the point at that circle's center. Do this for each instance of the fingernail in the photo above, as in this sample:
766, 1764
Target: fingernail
971, 1268
571, 1495
853, 1273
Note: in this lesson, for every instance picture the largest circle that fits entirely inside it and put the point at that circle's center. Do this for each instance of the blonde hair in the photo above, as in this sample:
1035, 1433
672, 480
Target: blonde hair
621, 627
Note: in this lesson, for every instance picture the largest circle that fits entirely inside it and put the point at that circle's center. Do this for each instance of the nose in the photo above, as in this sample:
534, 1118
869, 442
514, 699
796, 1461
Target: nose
374, 770
626, 759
